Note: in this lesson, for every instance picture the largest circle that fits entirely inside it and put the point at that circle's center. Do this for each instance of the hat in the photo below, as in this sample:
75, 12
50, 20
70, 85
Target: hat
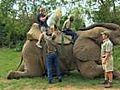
106, 33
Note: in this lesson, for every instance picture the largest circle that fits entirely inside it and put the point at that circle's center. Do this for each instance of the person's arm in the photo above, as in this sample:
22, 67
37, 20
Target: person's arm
107, 52
106, 56
64, 25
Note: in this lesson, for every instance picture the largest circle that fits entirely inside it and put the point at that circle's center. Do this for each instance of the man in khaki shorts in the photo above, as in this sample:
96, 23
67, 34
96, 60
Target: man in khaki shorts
107, 59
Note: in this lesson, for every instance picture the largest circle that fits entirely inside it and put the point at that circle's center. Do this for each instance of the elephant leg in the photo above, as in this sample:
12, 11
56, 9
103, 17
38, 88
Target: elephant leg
17, 74
32, 68
116, 74
89, 69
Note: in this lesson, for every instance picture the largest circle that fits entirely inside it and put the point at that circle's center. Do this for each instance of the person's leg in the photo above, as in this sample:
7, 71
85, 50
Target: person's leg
71, 33
57, 67
39, 41
106, 77
49, 67
110, 76
74, 36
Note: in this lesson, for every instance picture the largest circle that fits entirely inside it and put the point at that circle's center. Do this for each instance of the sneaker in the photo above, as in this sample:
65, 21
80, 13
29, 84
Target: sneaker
108, 85
60, 80
38, 45
50, 82
105, 82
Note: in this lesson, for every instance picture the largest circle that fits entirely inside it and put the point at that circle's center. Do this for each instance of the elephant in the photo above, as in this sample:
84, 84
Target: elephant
34, 57
83, 56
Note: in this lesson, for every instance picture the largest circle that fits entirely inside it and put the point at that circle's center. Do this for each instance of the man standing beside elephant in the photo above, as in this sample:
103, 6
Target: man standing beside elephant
107, 59
51, 54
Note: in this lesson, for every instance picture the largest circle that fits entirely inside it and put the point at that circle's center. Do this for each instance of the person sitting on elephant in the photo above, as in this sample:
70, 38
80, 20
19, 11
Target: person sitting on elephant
42, 21
53, 20
52, 56
107, 59
67, 28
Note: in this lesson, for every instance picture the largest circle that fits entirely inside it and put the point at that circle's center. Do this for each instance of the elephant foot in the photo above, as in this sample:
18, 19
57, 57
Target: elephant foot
13, 75
89, 69
18, 75
116, 74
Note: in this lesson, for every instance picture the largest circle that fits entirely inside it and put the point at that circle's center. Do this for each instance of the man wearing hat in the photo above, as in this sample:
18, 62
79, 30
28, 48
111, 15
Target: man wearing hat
67, 28
107, 58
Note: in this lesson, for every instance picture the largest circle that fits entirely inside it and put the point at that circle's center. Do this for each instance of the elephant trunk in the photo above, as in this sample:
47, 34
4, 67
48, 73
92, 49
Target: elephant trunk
111, 26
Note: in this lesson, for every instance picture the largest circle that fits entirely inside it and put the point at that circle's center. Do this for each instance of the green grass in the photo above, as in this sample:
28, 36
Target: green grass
9, 59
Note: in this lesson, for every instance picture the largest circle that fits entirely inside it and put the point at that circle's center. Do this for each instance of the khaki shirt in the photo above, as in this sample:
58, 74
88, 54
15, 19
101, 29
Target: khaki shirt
67, 24
107, 46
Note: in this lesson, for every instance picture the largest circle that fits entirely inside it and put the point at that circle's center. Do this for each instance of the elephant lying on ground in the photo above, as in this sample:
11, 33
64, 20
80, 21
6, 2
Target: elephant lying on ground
34, 57
84, 55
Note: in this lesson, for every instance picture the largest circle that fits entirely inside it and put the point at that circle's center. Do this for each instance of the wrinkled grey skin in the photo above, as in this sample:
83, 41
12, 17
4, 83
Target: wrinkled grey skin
87, 48
84, 55
34, 57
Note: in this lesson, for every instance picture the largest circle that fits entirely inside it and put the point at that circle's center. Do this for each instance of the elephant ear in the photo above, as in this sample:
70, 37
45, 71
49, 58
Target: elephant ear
34, 32
86, 49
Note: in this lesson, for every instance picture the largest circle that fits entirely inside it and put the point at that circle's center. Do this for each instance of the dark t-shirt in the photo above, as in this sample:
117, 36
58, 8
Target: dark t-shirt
42, 23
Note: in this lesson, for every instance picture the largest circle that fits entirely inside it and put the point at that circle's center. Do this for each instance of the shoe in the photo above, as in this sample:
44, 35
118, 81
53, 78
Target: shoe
108, 85
38, 45
50, 82
105, 82
60, 80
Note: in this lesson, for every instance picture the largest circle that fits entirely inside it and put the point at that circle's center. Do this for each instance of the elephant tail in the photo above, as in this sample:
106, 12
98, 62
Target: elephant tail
19, 63
111, 26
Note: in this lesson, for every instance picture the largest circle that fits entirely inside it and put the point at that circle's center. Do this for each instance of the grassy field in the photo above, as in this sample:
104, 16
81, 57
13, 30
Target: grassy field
9, 59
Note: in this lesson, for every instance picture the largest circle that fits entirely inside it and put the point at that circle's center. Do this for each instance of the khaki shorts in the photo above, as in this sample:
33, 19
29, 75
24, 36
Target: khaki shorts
108, 66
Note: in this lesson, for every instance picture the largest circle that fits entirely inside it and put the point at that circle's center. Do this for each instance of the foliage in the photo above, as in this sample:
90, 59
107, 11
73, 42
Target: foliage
16, 16
105, 11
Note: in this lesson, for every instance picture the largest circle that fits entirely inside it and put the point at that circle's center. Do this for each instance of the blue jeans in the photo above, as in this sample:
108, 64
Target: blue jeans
71, 33
52, 59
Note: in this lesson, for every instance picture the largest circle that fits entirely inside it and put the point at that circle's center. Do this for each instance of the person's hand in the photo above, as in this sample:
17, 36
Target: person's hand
58, 32
103, 61
48, 14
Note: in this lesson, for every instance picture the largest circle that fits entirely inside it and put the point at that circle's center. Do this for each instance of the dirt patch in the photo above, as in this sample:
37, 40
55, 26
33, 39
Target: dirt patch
83, 88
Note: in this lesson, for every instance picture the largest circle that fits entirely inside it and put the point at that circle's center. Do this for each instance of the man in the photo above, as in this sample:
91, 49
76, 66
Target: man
107, 59
52, 55
67, 28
